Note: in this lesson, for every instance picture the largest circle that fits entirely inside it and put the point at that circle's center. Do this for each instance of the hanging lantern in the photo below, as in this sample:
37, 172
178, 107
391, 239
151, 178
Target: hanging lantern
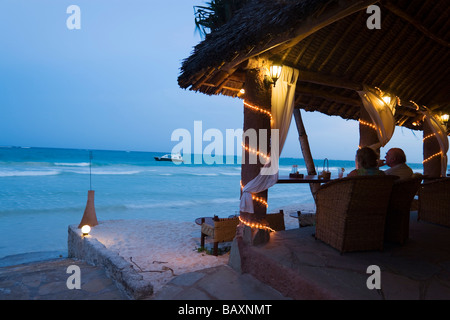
275, 73
89, 216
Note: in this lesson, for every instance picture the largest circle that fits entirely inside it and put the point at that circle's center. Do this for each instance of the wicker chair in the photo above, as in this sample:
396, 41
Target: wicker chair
276, 220
434, 201
351, 212
398, 213
223, 230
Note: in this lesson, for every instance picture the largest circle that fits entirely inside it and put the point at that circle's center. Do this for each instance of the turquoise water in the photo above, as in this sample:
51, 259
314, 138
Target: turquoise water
43, 190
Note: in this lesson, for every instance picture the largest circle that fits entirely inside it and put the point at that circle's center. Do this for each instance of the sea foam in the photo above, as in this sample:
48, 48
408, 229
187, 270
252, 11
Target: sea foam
17, 173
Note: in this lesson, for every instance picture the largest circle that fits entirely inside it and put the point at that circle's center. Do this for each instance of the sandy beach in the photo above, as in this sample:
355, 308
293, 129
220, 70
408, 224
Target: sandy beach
161, 250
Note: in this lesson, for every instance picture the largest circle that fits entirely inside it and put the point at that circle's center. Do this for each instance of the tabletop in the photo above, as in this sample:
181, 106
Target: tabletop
305, 179
208, 220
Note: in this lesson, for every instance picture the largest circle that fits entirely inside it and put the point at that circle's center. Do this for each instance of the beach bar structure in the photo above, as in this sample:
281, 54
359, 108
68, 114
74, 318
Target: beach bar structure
383, 63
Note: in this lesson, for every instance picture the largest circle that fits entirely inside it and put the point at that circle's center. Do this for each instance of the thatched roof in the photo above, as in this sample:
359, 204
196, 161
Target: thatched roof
328, 41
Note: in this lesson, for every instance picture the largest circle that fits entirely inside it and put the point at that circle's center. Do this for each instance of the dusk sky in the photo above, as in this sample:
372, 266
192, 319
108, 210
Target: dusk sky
113, 83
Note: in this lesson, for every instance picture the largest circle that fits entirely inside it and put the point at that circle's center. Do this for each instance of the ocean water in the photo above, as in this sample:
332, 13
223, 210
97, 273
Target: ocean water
43, 191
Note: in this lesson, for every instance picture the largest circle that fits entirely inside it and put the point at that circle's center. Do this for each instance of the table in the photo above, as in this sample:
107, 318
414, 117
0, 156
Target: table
208, 220
305, 179
305, 219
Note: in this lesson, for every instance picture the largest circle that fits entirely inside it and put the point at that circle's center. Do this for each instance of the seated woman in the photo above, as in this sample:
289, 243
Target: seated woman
366, 163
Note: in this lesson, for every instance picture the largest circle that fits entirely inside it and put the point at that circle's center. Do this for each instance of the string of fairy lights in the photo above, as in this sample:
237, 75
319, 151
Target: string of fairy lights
429, 136
440, 153
259, 109
415, 123
266, 157
367, 124
267, 113
258, 153
255, 225
255, 198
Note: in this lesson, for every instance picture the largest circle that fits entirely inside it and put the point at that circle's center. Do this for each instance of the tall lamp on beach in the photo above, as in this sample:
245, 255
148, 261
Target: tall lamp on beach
89, 216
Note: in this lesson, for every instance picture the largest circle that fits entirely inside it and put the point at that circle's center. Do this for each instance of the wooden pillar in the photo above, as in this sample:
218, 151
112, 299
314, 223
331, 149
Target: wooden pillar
258, 93
431, 147
367, 134
306, 150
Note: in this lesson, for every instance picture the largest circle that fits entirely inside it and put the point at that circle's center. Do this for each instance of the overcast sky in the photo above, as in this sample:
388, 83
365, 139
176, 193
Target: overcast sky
113, 83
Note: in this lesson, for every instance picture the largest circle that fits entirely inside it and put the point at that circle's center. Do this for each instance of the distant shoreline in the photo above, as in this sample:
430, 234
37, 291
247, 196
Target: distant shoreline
184, 155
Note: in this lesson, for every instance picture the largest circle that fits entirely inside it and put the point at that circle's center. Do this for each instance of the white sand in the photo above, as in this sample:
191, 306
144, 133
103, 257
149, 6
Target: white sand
164, 246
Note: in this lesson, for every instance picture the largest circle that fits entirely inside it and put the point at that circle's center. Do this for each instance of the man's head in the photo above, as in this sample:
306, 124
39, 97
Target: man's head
395, 156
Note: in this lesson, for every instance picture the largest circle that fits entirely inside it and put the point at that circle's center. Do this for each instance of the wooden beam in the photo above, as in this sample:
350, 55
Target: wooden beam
417, 66
306, 150
327, 95
327, 17
317, 78
330, 81
378, 71
406, 113
396, 75
414, 22
342, 38
305, 28
198, 83
304, 144
435, 76
303, 48
332, 35
413, 51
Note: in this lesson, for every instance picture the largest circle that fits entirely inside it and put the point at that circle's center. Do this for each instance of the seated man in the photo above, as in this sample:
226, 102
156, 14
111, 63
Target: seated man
396, 160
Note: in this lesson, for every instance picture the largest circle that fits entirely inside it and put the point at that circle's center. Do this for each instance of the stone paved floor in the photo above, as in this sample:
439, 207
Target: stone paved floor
217, 283
46, 280
417, 270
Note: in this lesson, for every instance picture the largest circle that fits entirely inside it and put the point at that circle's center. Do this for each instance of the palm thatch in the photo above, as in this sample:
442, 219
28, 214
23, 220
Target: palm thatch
215, 14
329, 42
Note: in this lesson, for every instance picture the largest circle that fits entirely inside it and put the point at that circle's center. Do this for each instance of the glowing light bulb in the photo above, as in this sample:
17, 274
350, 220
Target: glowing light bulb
85, 230
275, 73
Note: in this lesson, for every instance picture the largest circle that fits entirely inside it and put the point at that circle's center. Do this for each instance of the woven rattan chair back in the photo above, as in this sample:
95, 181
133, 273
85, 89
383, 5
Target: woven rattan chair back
351, 212
398, 213
434, 201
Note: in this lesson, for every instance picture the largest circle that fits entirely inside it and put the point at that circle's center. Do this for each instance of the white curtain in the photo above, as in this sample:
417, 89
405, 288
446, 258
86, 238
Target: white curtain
382, 115
282, 108
441, 135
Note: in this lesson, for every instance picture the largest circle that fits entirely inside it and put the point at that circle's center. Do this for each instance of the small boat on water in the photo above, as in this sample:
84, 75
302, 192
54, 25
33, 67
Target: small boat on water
170, 157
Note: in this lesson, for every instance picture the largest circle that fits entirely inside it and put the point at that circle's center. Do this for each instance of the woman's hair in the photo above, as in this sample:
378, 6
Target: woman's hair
367, 158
